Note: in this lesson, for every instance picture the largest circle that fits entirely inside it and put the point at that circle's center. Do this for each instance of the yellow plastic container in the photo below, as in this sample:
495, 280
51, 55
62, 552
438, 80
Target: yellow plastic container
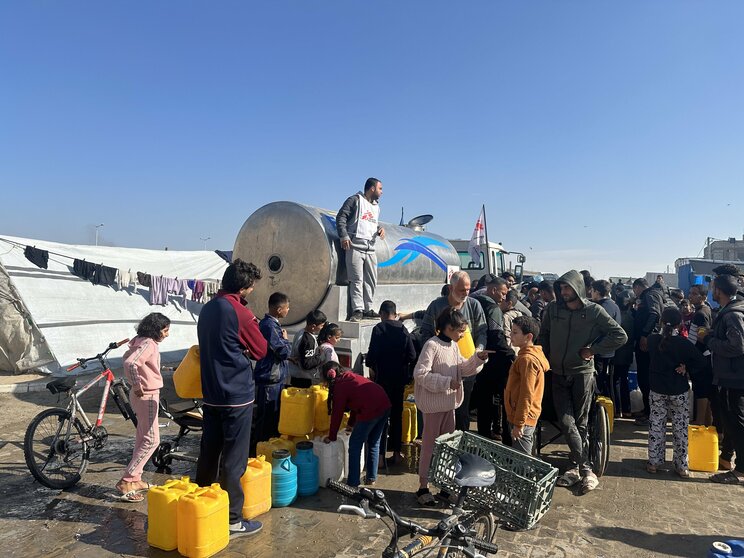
162, 512
410, 422
466, 345
320, 434
187, 377
203, 522
297, 412
268, 447
256, 483
702, 448
408, 390
296, 439
344, 421
322, 419
609, 406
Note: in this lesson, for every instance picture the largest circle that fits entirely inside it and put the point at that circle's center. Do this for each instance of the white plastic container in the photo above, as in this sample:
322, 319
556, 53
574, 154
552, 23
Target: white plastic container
344, 437
331, 458
636, 401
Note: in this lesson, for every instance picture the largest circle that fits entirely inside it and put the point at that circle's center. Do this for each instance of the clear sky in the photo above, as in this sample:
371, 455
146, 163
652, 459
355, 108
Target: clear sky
601, 135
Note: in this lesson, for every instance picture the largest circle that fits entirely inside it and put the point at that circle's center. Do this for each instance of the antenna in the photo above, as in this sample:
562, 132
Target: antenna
402, 222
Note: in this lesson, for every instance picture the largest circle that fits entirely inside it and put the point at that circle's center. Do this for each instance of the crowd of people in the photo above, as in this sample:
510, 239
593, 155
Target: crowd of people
504, 352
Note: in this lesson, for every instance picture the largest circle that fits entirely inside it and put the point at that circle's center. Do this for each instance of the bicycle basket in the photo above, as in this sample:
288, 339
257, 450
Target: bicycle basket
522, 491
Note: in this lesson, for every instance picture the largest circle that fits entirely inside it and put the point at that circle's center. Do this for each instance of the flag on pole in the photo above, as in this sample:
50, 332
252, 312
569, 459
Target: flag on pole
478, 238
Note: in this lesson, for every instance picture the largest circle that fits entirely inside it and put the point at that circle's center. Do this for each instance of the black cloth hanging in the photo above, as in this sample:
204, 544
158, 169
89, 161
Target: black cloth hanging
40, 258
104, 275
83, 269
144, 279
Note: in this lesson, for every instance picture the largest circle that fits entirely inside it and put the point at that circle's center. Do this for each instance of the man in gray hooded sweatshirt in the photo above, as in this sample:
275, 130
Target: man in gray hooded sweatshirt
573, 331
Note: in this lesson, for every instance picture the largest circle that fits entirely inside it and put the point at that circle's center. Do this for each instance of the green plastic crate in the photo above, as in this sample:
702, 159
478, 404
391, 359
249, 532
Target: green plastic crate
522, 491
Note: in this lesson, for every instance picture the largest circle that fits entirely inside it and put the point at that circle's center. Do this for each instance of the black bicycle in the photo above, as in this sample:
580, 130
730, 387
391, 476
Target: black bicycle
464, 533
58, 441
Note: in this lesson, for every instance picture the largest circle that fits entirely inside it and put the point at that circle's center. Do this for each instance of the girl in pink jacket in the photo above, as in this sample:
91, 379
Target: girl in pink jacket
438, 387
142, 369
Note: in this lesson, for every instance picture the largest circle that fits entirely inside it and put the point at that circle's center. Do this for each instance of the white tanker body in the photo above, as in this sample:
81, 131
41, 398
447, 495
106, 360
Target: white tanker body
298, 251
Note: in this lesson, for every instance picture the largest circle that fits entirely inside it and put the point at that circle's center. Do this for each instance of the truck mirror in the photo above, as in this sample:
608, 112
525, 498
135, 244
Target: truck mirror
518, 272
521, 259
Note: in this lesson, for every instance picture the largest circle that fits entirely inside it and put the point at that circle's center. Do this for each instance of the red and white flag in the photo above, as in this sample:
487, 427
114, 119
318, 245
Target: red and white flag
478, 238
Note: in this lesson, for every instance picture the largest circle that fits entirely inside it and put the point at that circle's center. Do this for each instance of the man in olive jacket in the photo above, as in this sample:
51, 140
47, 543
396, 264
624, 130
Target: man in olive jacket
573, 331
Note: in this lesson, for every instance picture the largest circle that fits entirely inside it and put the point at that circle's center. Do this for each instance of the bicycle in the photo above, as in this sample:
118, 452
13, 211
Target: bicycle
462, 534
58, 441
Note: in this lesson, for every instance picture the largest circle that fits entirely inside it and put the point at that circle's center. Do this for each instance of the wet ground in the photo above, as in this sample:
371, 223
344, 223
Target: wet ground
632, 513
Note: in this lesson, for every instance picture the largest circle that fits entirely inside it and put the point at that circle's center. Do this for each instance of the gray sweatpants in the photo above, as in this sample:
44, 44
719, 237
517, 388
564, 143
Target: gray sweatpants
361, 269
572, 398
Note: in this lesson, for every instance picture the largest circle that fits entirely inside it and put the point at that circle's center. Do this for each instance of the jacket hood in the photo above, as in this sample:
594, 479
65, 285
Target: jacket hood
573, 279
535, 351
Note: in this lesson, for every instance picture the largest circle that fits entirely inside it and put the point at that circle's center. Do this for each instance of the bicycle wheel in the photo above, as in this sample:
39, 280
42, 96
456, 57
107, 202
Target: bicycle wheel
481, 526
56, 453
599, 441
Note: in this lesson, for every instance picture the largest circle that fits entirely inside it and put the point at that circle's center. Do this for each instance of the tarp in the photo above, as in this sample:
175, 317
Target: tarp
60, 317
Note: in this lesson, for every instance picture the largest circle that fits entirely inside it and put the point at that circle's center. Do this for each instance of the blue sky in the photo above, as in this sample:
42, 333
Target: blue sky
601, 135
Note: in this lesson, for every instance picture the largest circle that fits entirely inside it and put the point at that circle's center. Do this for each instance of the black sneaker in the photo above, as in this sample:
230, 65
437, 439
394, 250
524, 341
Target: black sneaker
370, 314
245, 528
356, 316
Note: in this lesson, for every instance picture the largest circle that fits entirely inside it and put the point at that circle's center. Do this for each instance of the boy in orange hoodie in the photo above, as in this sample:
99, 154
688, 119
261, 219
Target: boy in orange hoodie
524, 389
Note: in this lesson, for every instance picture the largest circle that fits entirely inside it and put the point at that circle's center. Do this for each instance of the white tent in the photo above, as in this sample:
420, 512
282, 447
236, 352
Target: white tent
50, 317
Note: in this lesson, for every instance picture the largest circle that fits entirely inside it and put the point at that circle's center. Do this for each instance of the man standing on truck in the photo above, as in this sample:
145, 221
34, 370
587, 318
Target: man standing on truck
357, 225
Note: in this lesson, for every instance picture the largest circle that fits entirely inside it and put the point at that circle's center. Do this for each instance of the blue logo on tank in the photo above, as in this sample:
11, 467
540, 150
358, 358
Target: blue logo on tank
408, 249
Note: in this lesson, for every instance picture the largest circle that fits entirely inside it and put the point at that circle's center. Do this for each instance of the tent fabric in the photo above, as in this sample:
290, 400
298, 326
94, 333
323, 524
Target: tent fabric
74, 318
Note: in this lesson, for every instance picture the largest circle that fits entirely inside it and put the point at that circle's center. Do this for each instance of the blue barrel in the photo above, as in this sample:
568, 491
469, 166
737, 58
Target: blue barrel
632, 380
283, 479
307, 469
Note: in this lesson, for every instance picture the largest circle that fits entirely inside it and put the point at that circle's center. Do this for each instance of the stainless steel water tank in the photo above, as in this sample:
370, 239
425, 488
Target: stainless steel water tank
298, 252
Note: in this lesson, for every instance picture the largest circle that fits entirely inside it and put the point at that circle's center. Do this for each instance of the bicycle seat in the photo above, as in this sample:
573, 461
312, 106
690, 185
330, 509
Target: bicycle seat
61, 385
472, 471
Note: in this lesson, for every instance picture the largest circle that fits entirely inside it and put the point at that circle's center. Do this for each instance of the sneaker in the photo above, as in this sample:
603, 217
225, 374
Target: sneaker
589, 482
245, 527
369, 483
356, 316
569, 478
370, 314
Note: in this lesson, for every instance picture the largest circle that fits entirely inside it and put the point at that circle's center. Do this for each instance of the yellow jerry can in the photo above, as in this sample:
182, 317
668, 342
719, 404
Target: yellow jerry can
702, 448
203, 522
256, 483
162, 512
296, 412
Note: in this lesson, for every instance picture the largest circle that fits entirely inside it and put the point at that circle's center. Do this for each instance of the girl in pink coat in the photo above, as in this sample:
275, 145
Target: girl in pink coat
142, 369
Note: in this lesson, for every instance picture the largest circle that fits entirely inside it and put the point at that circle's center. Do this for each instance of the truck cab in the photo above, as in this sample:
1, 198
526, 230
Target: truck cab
500, 260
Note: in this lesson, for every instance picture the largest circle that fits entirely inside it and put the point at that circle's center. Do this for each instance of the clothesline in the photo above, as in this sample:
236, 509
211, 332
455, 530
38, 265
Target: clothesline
98, 274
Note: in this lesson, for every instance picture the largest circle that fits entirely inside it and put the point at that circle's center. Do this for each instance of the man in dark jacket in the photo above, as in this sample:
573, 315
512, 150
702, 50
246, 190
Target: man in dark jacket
357, 225
229, 338
390, 355
648, 313
726, 343
573, 331
491, 381
603, 363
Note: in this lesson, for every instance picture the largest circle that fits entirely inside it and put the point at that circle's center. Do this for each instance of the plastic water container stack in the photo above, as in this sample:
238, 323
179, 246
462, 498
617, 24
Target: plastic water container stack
307, 469
256, 483
283, 479
203, 522
162, 512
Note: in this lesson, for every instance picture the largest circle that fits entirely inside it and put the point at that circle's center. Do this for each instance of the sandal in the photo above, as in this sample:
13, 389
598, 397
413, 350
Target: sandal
132, 496
569, 478
729, 477
425, 498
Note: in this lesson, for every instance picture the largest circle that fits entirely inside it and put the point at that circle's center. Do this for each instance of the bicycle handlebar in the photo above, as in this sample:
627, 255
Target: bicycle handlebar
99, 357
375, 499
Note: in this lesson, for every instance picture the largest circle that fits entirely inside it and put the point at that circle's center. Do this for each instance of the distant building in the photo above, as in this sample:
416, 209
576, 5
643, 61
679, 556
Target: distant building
724, 250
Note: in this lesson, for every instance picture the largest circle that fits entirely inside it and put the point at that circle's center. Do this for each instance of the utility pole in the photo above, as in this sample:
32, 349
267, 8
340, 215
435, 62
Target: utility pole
98, 227
205, 241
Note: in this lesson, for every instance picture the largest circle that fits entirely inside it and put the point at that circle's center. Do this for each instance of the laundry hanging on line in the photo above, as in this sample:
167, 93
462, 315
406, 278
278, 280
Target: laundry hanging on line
40, 258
